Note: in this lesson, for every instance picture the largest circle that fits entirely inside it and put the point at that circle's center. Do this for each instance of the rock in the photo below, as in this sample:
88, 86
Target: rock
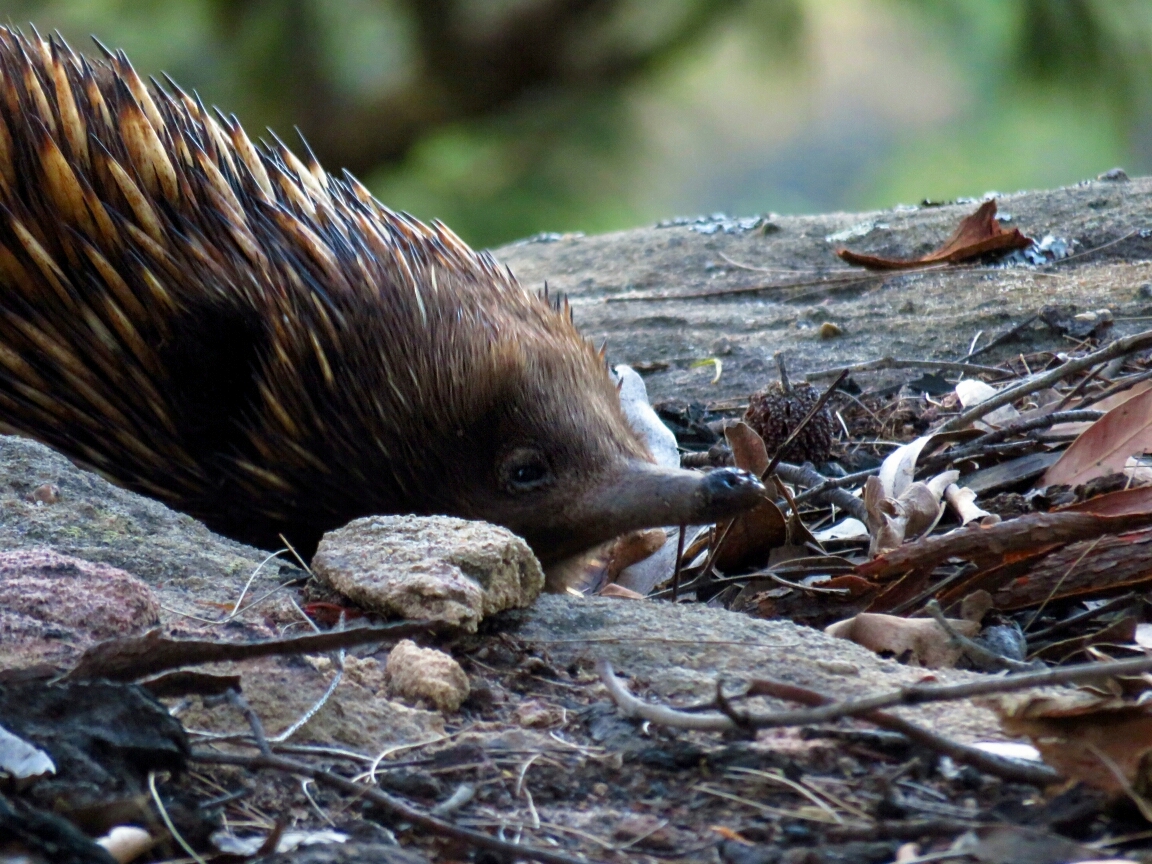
85, 516
430, 567
53, 606
679, 651
425, 676
658, 299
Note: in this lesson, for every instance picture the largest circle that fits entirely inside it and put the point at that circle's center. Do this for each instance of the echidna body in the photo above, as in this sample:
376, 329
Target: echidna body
232, 330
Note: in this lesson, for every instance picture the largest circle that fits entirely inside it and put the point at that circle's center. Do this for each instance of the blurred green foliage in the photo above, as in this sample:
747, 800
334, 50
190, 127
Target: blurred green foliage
508, 117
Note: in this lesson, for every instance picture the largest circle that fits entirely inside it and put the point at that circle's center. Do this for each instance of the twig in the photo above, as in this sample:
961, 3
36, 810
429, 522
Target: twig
987, 661
897, 363
826, 488
1126, 345
1001, 339
679, 563
254, 722
923, 693
974, 447
1014, 770
631, 706
1119, 387
134, 657
1081, 617
387, 802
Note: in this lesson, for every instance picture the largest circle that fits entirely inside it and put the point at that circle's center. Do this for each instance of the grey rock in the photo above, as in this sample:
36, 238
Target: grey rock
430, 567
176, 556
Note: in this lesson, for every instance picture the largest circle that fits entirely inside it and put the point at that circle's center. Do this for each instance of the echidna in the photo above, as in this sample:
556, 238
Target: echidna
230, 329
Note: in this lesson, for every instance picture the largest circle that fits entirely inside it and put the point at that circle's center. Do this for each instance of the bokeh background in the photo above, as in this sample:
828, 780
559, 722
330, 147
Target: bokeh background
510, 117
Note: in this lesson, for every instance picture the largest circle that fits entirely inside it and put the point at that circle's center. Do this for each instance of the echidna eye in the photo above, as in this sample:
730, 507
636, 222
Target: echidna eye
525, 469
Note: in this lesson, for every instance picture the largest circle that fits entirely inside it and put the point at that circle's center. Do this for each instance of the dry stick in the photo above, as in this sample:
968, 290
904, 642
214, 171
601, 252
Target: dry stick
984, 659
631, 706
920, 694
897, 363
1018, 428
830, 488
1000, 340
393, 805
829, 485
1014, 770
1126, 345
1059, 627
1119, 387
679, 563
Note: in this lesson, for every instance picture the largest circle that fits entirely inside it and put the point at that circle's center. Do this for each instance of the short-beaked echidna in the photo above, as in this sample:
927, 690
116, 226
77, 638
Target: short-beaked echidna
230, 329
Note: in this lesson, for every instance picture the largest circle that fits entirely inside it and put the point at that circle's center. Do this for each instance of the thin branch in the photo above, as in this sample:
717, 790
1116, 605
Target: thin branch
898, 363
1119, 348
387, 802
828, 489
631, 706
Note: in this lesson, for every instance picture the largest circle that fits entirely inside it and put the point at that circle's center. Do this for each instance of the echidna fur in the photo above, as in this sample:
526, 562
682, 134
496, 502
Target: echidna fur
228, 328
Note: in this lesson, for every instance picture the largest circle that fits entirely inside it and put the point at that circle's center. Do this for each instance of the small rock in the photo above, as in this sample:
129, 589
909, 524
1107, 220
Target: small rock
46, 493
430, 567
425, 676
1115, 175
53, 606
539, 714
828, 330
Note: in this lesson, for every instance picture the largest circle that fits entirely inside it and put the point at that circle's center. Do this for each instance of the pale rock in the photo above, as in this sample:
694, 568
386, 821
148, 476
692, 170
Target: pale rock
436, 568
425, 676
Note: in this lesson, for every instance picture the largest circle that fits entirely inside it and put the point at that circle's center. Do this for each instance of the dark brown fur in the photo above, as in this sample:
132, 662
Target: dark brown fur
268, 348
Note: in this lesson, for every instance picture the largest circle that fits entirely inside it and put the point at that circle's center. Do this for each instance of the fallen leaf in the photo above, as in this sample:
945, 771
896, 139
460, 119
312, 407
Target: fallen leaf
845, 529
976, 235
1104, 448
972, 391
755, 533
21, 760
963, 501
915, 512
922, 638
1101, 741
748, 449
613, 590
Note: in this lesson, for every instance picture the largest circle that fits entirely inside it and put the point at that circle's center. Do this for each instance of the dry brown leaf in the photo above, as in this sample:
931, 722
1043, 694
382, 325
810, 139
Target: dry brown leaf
748, 449
915, 512
1104, 448
1103, 405
620, 592
928, 643
976, 235
972, 391
1101, 741
963, 501
757, 532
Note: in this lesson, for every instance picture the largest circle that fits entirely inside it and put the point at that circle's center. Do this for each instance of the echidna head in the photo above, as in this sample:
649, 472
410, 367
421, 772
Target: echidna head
561, 466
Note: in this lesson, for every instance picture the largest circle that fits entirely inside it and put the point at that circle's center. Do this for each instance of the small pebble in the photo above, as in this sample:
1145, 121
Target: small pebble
828, 330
